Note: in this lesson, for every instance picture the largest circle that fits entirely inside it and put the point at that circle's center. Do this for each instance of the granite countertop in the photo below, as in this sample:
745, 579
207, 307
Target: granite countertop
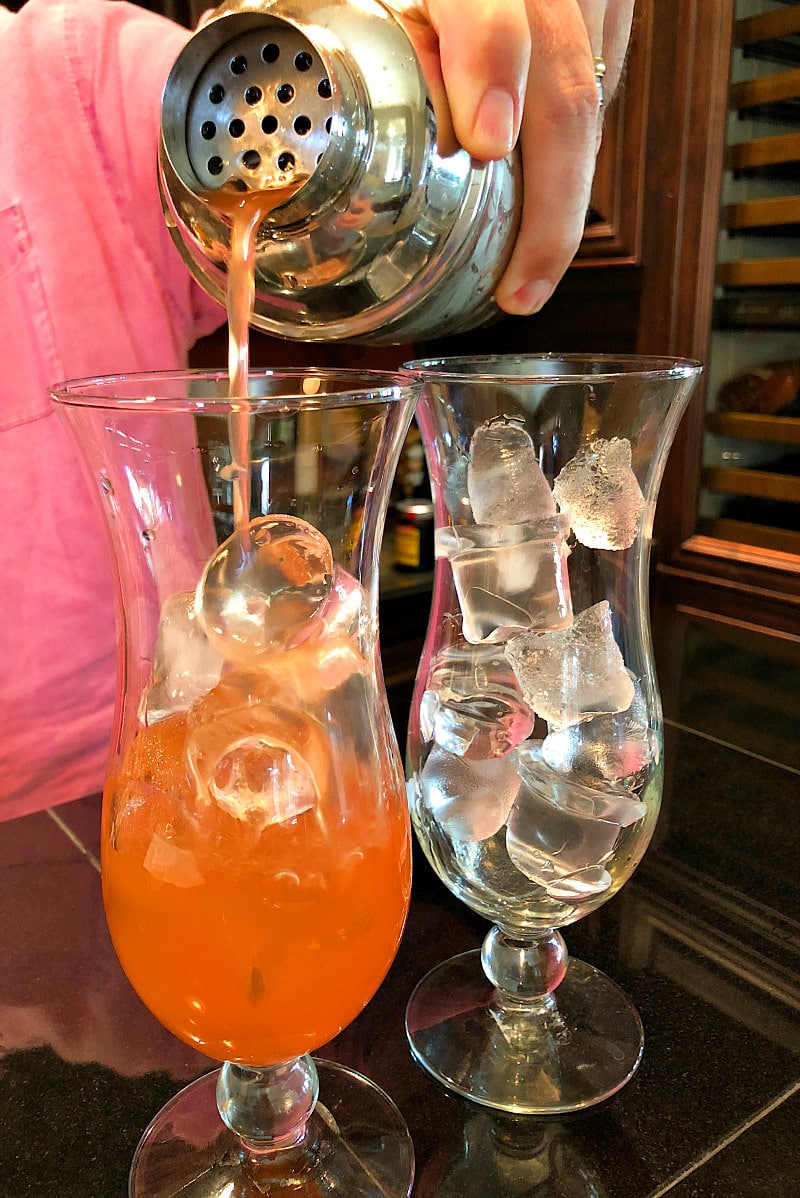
704, 939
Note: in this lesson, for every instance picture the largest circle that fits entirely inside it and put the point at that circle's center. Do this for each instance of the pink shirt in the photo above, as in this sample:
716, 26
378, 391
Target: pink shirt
90, 283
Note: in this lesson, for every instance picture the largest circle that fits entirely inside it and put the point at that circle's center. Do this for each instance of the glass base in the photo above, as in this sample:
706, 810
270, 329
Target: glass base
577, 1047
356, 1144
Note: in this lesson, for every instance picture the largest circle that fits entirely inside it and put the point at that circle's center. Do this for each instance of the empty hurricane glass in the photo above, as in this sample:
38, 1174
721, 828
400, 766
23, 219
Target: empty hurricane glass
256, 839
535, 747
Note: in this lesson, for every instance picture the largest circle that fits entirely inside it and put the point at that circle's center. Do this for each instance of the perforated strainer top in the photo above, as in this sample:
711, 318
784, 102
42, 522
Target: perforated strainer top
260, 112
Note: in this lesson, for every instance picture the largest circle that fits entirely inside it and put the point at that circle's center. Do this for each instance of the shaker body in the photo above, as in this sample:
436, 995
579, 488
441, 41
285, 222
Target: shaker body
383, 240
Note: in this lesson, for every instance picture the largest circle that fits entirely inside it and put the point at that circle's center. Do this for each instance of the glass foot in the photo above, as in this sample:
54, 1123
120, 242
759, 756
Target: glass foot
571, 1050
356, 1144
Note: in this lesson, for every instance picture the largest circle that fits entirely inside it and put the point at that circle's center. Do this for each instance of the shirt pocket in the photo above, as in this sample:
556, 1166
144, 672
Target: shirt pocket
28, 357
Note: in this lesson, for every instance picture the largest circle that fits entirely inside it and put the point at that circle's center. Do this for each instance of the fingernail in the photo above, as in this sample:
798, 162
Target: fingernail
495, 121
530, 298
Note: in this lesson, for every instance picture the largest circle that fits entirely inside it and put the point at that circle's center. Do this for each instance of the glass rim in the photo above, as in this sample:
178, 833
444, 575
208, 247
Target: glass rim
609, 367
128, 391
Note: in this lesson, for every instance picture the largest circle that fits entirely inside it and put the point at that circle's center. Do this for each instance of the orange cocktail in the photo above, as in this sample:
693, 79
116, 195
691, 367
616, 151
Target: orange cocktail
258, 935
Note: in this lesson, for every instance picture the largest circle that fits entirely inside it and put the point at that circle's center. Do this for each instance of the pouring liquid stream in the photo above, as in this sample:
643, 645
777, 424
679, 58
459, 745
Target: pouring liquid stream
247, 214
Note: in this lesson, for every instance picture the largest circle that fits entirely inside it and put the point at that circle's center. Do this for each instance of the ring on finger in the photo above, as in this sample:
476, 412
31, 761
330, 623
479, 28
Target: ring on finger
599, 74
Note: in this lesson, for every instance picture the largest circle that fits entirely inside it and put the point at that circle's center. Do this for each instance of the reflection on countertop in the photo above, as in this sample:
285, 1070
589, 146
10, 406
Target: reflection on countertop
704, 939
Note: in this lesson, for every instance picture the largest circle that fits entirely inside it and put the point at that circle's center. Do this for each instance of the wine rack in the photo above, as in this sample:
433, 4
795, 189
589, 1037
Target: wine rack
750, 477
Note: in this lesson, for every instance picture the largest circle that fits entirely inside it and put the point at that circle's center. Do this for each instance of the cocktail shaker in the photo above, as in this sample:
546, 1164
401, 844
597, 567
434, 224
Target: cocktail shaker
380, 238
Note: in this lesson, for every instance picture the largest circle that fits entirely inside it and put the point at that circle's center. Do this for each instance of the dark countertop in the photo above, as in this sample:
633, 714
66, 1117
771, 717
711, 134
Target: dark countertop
704, 939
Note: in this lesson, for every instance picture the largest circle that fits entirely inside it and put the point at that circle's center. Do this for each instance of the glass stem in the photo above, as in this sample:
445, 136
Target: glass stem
268, 1107
524, 973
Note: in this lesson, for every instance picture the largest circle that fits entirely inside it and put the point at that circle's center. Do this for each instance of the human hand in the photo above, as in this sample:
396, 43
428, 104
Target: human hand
502, 71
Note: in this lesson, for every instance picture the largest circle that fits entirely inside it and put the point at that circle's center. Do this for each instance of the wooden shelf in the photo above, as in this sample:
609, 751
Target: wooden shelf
752, 426
774, 215
777, 310
769, 97
771, 36
758, 484
735, 533
781, 22
760, 272
766, 157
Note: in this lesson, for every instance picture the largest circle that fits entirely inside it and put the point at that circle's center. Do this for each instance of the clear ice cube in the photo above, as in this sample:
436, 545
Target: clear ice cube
582, 884
509, 578
621, 747
315, 668
611, 803
470, 800
478, 727
258, 763
486, 866
185, 665
461, 670
345, 610
168, 862
601, 494
262, 586
561, 851
568, 676
505, 483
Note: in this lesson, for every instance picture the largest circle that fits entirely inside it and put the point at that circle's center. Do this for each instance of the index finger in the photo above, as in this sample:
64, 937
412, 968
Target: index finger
475, 65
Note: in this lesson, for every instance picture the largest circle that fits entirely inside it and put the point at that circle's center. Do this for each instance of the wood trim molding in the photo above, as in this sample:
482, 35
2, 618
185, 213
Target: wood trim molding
683, 180
614, 226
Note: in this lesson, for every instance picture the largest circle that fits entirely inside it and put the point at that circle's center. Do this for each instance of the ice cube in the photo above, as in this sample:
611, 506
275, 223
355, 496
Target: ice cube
601, 494
185, 665
505, 483
152, 788
561, 851
298, 678
571, 675
345, 610
261, 763
610, 803
481, 726
461, 670
344, 613
620, 747
509, 578
262, 586
470, 800
486, 866
168, 862
255, 778
426, 713
582, 884
316, 667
